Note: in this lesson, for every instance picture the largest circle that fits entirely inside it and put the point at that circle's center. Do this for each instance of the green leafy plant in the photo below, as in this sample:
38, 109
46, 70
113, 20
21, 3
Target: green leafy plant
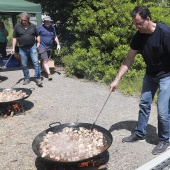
96, 35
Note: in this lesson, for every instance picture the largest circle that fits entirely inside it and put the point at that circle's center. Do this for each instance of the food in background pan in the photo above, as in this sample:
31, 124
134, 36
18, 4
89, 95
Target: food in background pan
11, 95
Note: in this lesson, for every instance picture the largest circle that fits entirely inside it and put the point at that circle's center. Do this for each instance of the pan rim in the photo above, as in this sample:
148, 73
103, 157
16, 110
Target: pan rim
26, 90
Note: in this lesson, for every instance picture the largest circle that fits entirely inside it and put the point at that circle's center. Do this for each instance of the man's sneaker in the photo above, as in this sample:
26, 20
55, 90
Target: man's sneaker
39, 82
49, 77
133, 138
26, 81
160, 147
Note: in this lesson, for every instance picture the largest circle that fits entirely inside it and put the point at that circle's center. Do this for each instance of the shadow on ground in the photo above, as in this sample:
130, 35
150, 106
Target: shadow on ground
53, 71
20, 81
3, 78
151, 135
27, 105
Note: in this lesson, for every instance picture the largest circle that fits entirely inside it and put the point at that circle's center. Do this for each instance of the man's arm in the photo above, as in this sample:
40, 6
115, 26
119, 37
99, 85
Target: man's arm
56, 40
14, 41
124, 68
38, 41
58, 43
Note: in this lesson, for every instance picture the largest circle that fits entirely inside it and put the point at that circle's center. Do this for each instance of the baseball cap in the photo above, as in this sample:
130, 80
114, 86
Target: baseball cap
47, 18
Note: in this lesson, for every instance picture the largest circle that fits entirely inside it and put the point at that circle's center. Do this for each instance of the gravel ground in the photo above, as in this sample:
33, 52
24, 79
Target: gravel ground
68, 100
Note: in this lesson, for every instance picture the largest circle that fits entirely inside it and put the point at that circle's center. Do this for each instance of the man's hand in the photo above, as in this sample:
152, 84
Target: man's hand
38, 45
12, 51
58, 47
113, 85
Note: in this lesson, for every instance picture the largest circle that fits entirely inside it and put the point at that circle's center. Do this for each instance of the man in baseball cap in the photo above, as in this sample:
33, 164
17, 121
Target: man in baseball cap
47, 35
47, 18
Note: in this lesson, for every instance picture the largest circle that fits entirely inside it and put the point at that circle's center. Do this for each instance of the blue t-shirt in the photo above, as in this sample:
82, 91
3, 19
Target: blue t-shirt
155, 49
47, 36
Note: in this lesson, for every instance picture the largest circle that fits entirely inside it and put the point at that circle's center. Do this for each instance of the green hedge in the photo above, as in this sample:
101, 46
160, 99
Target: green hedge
103, 31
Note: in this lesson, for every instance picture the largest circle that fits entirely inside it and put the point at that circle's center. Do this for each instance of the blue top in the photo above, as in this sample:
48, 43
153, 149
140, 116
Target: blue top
155, 49
47, 36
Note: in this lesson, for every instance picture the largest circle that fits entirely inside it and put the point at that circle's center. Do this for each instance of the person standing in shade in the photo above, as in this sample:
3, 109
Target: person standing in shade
3, 39
47, 35
152, 41
25, 33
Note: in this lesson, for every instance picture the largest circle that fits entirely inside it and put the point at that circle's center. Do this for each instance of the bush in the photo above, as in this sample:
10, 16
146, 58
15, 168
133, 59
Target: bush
104, 30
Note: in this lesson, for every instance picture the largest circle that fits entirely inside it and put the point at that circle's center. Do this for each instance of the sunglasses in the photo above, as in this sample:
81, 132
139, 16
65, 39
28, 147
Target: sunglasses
140, 23
48, 21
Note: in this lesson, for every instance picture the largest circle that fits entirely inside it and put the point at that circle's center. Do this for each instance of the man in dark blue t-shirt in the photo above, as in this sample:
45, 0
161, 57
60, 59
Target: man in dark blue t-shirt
152, 41
47, 36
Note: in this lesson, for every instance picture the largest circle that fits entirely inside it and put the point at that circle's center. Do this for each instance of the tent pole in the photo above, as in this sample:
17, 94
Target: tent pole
39, 19
14, 20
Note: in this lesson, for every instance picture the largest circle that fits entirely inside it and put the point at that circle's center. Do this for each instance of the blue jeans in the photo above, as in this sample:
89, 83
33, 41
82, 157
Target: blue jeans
150, 86
25, 53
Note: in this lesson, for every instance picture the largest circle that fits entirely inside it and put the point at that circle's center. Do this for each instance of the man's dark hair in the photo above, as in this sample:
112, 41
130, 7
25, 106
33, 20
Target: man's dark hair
142, 11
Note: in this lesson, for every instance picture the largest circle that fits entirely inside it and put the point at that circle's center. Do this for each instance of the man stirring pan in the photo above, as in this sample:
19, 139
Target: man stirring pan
152, 41
26, 35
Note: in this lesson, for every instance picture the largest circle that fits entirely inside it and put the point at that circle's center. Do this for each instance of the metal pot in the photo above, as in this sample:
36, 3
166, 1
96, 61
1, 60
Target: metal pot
39, 138
27, 91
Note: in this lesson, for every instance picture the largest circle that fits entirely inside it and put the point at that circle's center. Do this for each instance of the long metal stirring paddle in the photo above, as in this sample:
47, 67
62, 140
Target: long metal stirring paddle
100, 111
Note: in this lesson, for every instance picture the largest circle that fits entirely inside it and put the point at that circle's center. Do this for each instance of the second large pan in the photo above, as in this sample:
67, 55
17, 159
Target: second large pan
39, 138
25, 90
